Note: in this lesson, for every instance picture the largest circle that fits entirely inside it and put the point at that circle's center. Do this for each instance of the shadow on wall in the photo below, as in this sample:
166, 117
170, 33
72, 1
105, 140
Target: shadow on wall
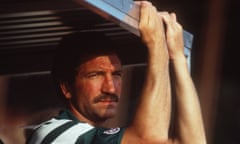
26, 100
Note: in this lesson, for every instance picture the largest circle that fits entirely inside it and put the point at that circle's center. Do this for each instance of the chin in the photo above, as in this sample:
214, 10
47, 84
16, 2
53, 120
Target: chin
109, 114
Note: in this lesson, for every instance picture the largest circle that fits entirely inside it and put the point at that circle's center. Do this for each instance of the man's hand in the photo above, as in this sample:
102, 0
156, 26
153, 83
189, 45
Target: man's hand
174, 35
152, 30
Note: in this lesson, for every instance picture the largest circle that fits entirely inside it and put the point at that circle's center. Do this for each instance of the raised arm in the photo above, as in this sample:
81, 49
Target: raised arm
152, 118
189, 123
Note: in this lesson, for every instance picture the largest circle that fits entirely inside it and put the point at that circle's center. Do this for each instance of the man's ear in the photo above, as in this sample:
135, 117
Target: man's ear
66, 90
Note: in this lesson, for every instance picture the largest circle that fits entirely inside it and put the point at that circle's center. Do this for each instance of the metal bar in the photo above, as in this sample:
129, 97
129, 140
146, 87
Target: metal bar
126, 14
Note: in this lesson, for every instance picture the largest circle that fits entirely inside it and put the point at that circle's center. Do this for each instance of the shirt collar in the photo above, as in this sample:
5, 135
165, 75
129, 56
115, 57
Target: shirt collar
66, 114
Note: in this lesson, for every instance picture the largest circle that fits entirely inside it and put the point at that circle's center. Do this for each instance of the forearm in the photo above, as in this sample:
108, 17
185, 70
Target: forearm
153, 114
152, 117
190, 128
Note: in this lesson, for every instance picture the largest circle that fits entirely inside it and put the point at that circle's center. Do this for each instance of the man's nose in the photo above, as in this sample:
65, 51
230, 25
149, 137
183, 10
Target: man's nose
108, 85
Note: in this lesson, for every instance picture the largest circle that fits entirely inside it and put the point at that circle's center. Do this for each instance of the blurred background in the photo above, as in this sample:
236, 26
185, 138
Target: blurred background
31, 29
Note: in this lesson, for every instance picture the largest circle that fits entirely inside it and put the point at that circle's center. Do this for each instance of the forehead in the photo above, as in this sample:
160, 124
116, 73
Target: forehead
108, 61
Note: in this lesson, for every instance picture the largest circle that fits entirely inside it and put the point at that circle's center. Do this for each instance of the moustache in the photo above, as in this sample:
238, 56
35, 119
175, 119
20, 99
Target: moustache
102, 97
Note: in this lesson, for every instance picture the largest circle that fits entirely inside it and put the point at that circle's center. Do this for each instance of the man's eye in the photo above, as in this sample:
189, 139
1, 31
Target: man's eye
92, 75
117, 74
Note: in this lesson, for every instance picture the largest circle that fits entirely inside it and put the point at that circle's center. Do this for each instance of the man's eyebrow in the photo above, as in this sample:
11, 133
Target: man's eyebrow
118, 71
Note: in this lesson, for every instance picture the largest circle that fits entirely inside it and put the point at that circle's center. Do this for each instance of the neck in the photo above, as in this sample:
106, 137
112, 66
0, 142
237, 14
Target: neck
82, 118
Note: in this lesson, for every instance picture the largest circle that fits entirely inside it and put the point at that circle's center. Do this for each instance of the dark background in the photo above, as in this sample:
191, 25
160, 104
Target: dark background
195, 16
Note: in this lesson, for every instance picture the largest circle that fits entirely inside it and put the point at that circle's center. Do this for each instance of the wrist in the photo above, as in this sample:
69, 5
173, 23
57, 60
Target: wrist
179, 60
180, 57
159, 58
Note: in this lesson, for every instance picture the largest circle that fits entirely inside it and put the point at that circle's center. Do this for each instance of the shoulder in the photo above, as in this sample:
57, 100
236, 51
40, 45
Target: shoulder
57, 130
73, 132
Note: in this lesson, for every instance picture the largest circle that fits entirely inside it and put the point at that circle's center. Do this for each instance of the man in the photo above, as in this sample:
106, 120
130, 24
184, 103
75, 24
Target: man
90, 81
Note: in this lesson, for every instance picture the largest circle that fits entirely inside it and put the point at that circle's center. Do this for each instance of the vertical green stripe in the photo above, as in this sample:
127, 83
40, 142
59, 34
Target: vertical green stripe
56, 132
87, 138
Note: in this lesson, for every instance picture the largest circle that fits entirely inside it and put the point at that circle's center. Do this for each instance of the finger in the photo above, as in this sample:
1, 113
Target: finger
153, 17
137, 2
166, 18
144, 12
173, 16
163, 15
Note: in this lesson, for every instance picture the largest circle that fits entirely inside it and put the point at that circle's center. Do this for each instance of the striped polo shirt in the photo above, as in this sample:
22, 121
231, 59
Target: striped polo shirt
66, 129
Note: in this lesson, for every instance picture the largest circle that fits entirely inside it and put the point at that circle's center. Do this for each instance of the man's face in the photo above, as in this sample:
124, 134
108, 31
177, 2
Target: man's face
97, 87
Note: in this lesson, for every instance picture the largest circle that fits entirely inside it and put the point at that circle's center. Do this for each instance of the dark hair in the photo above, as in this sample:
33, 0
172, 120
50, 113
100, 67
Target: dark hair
73, 50
77, 47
